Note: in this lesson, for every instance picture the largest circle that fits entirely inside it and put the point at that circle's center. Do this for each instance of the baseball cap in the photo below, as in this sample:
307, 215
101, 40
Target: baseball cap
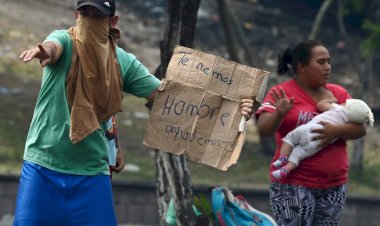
359, 112
107, 7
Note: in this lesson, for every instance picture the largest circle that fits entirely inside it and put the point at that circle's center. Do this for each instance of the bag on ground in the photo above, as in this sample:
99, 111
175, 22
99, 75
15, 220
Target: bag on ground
236, 211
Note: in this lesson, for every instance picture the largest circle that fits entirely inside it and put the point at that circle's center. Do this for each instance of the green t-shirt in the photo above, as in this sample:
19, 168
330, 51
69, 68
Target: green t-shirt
48, 143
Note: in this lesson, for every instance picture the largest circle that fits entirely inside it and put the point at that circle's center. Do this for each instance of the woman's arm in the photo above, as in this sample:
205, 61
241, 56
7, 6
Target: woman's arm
352, 131
330, 132
269, 122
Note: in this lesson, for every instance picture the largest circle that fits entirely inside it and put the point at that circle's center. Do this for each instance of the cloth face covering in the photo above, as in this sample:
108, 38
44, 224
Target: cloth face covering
94, 86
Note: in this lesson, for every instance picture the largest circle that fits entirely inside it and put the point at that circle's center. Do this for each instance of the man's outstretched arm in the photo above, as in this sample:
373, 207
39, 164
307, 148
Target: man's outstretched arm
47, 53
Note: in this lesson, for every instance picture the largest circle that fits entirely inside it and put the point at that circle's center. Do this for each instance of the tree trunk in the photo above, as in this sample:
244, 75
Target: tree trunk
171, 35
241, 37
166, 46
358, 152
357, 155
342, 28
189, 20
178, 177
319, 19
162, 188
225, 17
173, 177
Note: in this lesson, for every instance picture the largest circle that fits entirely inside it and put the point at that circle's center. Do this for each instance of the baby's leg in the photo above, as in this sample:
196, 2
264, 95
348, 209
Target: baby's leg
289, 141
306, 148
297, 155
285, 151
284, 171
300, 154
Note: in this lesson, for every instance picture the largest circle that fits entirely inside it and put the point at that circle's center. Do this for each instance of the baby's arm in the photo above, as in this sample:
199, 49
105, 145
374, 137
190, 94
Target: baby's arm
326, 104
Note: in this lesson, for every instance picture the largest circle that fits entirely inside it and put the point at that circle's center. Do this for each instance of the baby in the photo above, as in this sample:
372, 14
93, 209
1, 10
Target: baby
298, 145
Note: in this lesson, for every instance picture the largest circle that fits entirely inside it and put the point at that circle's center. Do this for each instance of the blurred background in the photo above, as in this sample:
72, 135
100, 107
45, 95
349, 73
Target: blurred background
258, 31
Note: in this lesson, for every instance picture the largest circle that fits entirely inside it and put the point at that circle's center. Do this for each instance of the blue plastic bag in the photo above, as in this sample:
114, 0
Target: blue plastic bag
236, 211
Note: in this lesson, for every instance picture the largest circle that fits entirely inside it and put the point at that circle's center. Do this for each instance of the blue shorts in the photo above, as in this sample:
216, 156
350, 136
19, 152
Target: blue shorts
49, 198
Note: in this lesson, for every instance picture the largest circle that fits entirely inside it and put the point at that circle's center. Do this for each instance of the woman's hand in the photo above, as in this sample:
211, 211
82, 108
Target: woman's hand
330, 132
327, 134
269, 122
282, 103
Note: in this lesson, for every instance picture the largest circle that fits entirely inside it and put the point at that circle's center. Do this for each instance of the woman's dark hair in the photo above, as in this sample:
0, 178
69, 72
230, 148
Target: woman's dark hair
289, 59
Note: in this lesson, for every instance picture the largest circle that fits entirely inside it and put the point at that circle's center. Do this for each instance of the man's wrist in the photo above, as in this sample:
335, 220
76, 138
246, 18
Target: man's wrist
50, 50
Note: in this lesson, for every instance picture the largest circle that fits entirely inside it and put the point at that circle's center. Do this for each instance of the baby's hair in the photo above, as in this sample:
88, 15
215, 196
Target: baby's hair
289, 58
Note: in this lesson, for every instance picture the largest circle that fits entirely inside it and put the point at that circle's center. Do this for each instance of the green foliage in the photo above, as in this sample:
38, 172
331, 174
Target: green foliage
204, 206
372, 42
353, 6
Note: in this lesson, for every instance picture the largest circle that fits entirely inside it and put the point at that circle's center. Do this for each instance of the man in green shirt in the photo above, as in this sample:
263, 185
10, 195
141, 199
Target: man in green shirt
59, 157
65, 175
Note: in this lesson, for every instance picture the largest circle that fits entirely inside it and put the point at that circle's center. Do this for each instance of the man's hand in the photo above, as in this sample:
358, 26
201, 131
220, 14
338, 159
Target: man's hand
39, 52
47, 53
119, 162
247, 108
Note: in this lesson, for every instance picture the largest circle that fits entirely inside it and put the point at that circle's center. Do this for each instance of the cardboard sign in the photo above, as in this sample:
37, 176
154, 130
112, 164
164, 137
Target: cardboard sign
197, 110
